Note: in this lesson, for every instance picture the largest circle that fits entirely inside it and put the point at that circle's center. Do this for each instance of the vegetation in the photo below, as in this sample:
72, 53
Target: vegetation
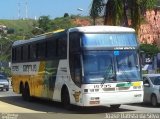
149, 49
66, 15
44, 23
20, 27
25, 29
119, 12
96, 9
158, 2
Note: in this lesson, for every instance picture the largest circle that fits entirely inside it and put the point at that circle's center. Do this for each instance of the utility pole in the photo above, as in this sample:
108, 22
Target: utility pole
19, 10
25, 9
26, 6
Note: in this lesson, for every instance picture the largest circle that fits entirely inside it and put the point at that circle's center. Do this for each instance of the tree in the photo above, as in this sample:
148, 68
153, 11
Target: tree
137, 12
62, 23
158, 3
149, 49
96, 9
113, 12
44, 23
119, 12
10, 31
66, 15
37, 31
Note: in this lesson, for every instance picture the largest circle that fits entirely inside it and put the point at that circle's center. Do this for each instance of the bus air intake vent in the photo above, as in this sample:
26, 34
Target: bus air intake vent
123, 88
108, 89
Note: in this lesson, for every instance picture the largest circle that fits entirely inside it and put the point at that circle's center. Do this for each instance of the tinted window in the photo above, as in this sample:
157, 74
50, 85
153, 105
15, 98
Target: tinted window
74, 42
51, 45
75, 69
18, 53
25, 52
33, 51
21, 53
29, 55
155, 80
74, 58
57, 47
13, 54
62, 47
41, 50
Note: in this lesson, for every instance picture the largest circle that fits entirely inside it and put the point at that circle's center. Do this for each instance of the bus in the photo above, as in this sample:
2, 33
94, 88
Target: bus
82, 66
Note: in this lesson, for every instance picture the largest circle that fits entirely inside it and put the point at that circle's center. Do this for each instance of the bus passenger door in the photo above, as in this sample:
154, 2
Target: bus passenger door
76, 70
76, 76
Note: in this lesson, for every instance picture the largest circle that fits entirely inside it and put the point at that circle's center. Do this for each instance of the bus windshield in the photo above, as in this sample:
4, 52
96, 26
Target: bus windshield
108, 66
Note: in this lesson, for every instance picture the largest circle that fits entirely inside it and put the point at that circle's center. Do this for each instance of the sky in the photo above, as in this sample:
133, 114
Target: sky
14, 9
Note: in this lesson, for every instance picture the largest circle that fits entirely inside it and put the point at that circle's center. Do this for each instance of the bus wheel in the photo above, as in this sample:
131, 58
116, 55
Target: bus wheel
26, 93
65, 98
23, 93
115, 106
28, 96
21, 88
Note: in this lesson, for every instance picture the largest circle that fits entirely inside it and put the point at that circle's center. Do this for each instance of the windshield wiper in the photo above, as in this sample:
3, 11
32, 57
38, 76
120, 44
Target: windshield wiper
109, 76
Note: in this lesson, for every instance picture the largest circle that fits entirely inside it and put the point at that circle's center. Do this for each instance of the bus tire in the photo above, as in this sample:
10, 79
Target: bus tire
23, 93
27, 91
21, 88
115, 106
65, 99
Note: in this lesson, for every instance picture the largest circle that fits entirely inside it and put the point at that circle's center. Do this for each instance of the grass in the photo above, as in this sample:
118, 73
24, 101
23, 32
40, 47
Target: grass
19, 25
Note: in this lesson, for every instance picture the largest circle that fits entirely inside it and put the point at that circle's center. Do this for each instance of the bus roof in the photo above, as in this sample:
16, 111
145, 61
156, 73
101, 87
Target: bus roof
85, 29
38, 37
102, 29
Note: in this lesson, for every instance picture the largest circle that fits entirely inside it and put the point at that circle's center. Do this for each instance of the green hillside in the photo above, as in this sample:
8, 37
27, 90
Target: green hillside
25, 29
19, 26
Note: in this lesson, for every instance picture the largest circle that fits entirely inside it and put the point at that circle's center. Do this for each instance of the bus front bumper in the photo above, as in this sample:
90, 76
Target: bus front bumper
112, 98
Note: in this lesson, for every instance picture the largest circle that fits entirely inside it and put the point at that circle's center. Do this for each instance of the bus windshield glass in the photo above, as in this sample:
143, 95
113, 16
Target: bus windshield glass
109, 40
108, 66
127, 66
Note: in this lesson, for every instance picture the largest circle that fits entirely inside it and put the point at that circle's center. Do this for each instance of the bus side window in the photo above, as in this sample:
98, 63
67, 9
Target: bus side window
33, 52
51, 48
25, 53
18, 54
62, 47
29, 54
74, 42
41, 50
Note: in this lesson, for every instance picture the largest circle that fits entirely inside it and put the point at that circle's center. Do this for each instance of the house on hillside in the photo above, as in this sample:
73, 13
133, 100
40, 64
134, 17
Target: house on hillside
3, 29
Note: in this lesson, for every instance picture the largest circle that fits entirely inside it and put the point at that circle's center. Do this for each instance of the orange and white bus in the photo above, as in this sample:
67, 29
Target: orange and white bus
84, 66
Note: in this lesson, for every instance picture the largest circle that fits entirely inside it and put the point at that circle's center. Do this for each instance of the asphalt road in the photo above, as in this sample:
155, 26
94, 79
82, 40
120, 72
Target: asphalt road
13, 107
